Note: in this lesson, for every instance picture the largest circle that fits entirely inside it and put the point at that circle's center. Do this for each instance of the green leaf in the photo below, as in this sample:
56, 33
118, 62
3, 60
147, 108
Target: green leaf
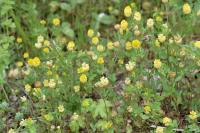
66, 29
105, 19
65, 6
101, 108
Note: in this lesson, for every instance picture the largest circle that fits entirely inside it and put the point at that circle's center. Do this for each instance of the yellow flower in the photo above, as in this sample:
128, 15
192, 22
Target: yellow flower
100, 48
74, 117
56, 21
38, 45
100, 60
139, 84
127, 11
103, 82
19, 64
40, 39
120, 61
157, 43
34, 62
129, 66
157, 63
76, 88
197, 44
43, 22
11, 131
166, 121
71, 46
110, 45
193, 115
124, 25
46, 83
108, 125
186, 8
128, 45
137, 16
46, 43
136, 44
37, 91
19, 40
61, 108
198, 13
49, 72
90, 33
150, 23
27, 88
147, 109
161, 38
48, 117
159, 130
84, 68
46, 50
159, 19
95, 40
85, 103
26, 55
164, 1
52, 83
83, 78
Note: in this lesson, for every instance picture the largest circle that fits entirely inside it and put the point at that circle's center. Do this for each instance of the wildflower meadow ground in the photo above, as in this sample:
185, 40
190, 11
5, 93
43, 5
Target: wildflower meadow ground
99, 66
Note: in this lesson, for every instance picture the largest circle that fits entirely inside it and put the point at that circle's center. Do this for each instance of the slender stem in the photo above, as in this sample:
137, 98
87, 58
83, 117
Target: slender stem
4, 91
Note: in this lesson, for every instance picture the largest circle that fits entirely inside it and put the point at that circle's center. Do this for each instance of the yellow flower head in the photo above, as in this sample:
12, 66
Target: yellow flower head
136, 44
159, 130
95, 40
100, 48
197, 44
56, 21
83, 78
34, 62
128, 45
71, 46
166, 121
164, 1
19, 63
46, 43
130, 65
90, 33
157, 63
193, 115
124, 25
147, 109
159, 19
161, 38
186, 8
26, 55
108, 125
85, 103
103, 82
127, 11
76, 88
100, 60
43, 22
84, 68
27, 88
19, 40
120, 61
61, 108
137, 16
46, 50
48, 117
150, 23
110, 45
